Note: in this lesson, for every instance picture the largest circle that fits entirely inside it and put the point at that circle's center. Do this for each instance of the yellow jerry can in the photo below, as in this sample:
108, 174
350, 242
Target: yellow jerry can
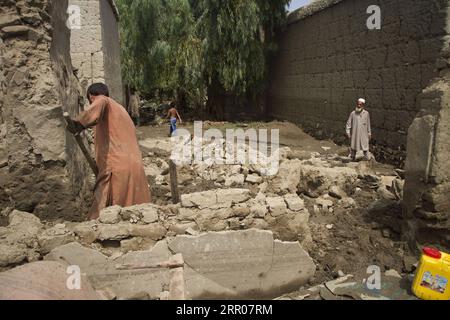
431, 281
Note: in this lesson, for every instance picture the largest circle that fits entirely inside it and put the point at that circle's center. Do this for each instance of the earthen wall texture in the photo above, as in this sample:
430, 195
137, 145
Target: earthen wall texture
329, 58
42, 170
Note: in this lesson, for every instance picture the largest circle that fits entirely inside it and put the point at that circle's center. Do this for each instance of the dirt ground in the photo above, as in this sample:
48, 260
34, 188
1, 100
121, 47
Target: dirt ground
356, 238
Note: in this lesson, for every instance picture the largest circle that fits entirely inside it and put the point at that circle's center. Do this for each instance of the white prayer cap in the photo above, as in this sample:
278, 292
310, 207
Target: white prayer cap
362, 100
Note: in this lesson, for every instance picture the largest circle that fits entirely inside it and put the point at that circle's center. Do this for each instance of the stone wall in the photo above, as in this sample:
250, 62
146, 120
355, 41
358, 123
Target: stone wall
95, 47
111, 50
328, 58
42, 170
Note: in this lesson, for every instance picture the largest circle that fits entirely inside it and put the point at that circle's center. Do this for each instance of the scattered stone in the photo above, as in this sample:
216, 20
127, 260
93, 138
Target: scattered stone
234, 180
241, 210
288, 177
337, 192
54, 237
384, 193
340, 282
12, 254
214, 199
110, 215
227, 197
347, 203
146, 213
253, 178
181, 228
154, 231
87, 231
277, 206
259, 210
324, 203
294, 202
409, 262
329, 226
114, 232
392, 273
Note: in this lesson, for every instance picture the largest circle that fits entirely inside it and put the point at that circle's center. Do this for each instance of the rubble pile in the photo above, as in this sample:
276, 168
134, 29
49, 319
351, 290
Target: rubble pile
229, 216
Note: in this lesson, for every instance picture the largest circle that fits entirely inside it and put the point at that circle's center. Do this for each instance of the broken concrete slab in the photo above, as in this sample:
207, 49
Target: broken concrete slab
89, 260
44, 280
103, 274
242, 264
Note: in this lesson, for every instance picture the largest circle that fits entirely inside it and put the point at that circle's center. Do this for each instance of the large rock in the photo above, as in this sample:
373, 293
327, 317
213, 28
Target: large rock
19, 241
242, 264
288, 177
294, 202
110, 215
43, 280
147, 212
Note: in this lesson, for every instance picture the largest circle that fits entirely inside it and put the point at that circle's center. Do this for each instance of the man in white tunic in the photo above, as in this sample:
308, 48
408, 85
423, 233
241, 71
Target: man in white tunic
359, 131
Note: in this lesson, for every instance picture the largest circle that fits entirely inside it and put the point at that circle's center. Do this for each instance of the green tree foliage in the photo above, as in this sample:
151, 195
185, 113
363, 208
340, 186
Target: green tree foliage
189, 45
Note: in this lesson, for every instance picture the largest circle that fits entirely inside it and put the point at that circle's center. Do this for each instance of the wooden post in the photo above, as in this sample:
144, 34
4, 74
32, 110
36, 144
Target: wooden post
174, 182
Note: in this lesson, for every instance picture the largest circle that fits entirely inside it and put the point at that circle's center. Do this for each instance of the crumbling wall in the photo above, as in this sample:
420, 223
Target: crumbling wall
95, 46
427, 187
328, 58
42, 170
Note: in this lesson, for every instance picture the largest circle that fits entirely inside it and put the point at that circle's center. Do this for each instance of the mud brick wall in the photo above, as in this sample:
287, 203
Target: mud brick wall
41, 169
427, 187
95, 48
328, 58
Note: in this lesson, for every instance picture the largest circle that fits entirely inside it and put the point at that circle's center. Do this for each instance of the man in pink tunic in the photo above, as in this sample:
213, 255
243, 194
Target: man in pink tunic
121, 179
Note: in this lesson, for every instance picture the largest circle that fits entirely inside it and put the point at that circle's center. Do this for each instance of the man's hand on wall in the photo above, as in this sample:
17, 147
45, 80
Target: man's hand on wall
74, 127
